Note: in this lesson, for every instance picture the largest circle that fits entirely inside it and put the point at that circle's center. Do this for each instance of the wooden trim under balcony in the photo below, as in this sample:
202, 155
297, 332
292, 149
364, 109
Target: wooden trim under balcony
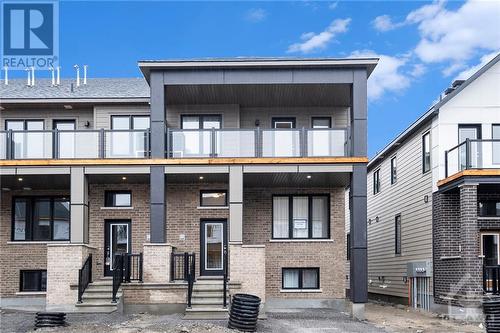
187, 161
472, 172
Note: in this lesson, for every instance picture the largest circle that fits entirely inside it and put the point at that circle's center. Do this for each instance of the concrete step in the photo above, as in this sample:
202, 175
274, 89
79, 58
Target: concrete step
96, 306
208, 288
92, 290
99, 296
208, 294
206, 313
102, 282
99, 287
217, 302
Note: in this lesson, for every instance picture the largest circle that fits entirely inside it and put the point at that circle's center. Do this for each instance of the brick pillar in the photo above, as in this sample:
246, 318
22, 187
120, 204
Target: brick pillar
471, 288
156, 264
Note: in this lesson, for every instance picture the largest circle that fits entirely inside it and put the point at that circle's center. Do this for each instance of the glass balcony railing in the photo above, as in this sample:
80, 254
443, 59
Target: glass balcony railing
210, 143
473, 154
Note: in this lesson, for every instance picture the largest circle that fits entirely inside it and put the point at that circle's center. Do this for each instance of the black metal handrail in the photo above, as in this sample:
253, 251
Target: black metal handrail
460, 157
225, 277
133, 267
191, 275
491, 279
180, 265
84, 277
117, 274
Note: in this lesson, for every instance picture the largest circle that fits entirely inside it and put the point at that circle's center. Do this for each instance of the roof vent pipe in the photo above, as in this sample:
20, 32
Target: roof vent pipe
53, 82
6, 76
77, 75
58, 79
28, 82
32, 76
85, 74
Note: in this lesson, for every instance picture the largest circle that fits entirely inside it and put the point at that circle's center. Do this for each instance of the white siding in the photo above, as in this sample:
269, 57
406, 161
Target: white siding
230, 113
406, 197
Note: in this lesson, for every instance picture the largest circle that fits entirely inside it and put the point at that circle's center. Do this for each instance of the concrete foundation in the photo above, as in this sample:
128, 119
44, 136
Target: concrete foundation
358, 311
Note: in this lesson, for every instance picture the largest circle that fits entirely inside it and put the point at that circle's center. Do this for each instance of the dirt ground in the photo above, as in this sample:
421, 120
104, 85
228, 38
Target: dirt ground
399, 319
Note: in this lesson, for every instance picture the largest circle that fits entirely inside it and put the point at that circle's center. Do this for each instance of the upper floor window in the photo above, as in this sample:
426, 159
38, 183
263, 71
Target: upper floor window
131, 122
201, 121
213, 198
118, 199
321, 122
33, 280
489, 208
24, 125
394, 170
495, 135
301, 216
426, 152
283, 122
397, 235
376, 181
40, 219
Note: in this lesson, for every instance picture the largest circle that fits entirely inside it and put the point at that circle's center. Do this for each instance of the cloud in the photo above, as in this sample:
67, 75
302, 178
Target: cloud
418, 70
384, 23
256, 15
467, 73
388, 76
316, 41
333, 5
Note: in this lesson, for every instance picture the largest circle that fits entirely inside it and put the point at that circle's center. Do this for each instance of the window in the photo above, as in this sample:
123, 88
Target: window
40, 219
213, 198
489, 208
33, 280
495, 135
397, 235
281, 122
301, 216
300, 278
426, 152
24, 125
130, 122
201, 121
376, 181
490, 247
118, 199
394, 170
321, 122
348, 246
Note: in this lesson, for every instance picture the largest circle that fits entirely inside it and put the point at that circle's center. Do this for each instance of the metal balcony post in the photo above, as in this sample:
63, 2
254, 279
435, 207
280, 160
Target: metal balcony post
9, 151
303, 150
467, 154
446, 164
167, 143
213, 143
55, 153
101, 143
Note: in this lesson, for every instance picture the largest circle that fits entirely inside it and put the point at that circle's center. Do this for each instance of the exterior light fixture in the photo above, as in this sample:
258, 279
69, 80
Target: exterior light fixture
201, 177
124, 178
20, 179
308, 176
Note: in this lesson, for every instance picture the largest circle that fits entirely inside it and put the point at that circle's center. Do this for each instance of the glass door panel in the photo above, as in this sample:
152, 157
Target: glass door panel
117, 242
66, 139
213, 246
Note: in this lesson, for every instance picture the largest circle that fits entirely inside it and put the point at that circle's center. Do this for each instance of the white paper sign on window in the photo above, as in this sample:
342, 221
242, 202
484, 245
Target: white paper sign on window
300, 224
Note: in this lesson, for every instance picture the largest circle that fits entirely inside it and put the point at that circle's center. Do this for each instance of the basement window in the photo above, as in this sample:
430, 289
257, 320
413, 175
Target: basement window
118, 199
300, 278
33, 280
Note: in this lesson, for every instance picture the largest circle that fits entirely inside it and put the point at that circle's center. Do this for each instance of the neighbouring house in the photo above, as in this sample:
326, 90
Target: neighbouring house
434, 202
171, 192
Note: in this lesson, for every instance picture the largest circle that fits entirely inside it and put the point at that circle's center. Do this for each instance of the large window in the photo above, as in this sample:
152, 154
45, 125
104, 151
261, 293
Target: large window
489, 208
394, 170
40, 219
301, 216
376, 181
130, 122
495, 135
201, 121
213, 198
321, 122
118, 199
397, 235
426, 152
33, 280
300, 278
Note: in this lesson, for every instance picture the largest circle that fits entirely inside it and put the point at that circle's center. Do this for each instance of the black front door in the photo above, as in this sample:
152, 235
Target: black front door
213, 247
117, 241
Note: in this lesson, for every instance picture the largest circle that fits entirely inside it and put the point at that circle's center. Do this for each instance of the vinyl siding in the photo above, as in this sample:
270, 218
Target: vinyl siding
303, 115
406, 197
230, 113
102, 114
81, 115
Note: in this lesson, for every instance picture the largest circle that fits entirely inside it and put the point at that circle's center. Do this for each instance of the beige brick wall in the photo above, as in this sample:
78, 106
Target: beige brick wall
154, 294
157, 263
15, 257
248, 266
328, 256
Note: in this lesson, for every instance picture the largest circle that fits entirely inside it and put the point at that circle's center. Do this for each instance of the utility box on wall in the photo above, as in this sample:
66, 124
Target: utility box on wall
419, 268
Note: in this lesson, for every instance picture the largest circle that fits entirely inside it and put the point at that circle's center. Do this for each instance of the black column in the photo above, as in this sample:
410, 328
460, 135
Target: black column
357, 196
157, 219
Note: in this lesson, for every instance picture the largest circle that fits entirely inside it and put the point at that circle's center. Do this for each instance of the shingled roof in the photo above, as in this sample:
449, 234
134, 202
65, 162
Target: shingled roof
95, 89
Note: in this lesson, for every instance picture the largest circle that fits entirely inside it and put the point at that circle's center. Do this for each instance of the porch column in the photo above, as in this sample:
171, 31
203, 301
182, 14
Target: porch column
79, 206
357, 197
236, 204
469, 246
157, 172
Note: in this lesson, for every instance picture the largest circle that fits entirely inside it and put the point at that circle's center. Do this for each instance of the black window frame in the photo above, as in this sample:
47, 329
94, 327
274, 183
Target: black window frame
376, 181
300, 282
494, 144
321, 118
424, 153
63, 121
309, 215
214, 191
200, 119
25, 123
30, 206
39, 278
394, 170
480, 202
397, 235
348, 246
293, 120
130, 119
109, 193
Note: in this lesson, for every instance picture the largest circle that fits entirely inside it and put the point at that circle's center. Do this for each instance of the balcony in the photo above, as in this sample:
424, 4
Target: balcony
181, 143
473, 154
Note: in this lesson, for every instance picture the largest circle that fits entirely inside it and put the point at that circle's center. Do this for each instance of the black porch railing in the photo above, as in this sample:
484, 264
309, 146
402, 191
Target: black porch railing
473, 154
84, 277
179, 270
117, 274
191, 276
225, 278
491, 279
133, 267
